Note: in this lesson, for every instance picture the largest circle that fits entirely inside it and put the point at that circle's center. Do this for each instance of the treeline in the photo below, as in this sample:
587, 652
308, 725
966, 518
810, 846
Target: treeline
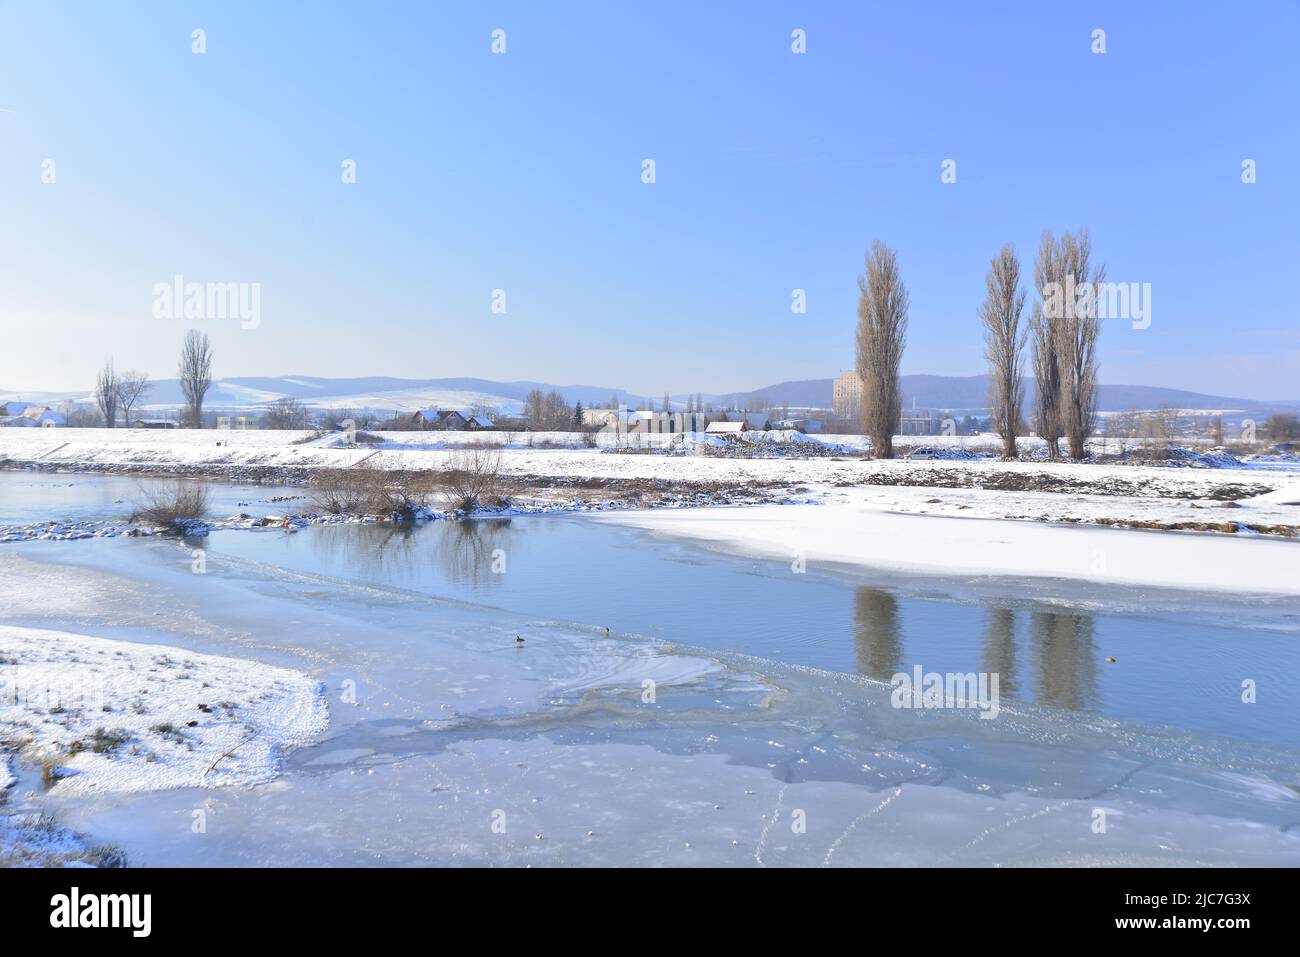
1062, 336
121, 392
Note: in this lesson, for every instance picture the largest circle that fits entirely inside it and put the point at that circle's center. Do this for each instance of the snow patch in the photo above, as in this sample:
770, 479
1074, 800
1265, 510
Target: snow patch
109, 715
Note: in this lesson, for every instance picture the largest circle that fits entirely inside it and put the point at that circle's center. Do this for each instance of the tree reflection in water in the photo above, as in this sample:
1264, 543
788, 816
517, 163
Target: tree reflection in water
462, 549
878, 640
1062, 645
1065, 660
1000, 649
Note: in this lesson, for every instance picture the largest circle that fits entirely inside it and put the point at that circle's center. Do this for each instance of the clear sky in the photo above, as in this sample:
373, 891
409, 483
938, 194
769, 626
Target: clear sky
522, 172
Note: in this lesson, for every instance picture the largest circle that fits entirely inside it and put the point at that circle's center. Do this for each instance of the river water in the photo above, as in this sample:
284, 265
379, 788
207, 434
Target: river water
770, 737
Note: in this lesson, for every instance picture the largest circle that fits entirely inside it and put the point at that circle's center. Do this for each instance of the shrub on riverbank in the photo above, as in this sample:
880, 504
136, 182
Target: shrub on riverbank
369, 491
173, 506
474, 479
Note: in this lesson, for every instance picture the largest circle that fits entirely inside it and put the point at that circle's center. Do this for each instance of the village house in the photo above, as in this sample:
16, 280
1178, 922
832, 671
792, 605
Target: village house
438, 420
725, 428
449, 420
153, 424
26, 415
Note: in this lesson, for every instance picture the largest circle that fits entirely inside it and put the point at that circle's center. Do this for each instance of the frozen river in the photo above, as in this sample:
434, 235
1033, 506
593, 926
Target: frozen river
733, 713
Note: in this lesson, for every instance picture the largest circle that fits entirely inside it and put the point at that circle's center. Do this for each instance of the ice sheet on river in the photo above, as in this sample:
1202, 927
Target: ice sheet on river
450, 744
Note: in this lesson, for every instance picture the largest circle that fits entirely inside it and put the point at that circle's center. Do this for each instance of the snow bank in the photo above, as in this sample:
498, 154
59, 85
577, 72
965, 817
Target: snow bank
1286, 495
119, 716
848, 534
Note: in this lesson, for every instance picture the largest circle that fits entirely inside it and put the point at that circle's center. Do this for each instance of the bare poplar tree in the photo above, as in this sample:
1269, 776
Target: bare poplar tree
882, 334
1004, 338
195, 373
131, 387
106, 394
1047, 376
1076, 347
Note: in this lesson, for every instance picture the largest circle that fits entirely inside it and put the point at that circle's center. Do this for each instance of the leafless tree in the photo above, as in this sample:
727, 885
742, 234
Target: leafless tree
1047, 375
1077, 333
1155, 431
287, 413
535, 408
131, 388
106, 395
882, 334
1282, 426
195, 373
547, 411
1004, 338
84, 417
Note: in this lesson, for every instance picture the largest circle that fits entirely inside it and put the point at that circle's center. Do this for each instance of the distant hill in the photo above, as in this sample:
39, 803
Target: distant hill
971, 392
391, 393
368, 392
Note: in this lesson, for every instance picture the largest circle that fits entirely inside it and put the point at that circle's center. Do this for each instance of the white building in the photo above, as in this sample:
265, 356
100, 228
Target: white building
846, 396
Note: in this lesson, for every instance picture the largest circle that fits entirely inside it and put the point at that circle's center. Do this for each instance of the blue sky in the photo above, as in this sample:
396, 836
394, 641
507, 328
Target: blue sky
522, 172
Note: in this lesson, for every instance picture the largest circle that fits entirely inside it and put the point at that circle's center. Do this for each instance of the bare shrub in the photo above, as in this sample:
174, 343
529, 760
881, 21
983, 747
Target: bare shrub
332, 491
174, 505
474, 478
410, 492
51, 770
1155, 430
365, 490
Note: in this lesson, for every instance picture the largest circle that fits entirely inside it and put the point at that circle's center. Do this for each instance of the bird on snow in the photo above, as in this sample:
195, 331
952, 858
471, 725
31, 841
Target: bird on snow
519, 642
